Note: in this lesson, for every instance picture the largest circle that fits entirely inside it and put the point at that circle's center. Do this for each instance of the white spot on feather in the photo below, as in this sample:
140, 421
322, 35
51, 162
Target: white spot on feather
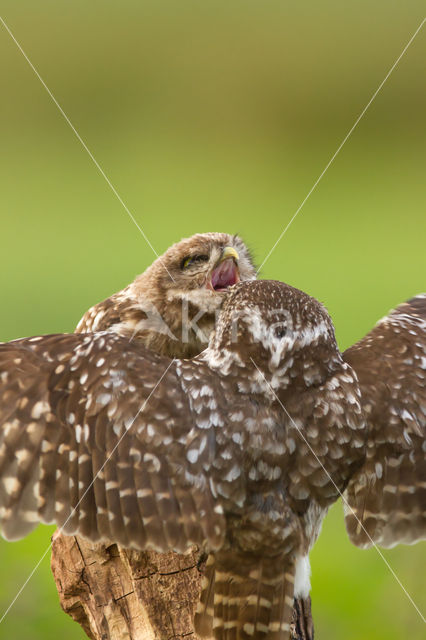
39, 408
379, 470
192, 455
233, 474
237, 437
103, 398
11, 484
22, 455
149, 458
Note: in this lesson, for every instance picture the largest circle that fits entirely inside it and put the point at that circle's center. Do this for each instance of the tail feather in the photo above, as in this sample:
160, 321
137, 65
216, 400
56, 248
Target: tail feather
203, 620
246, 598
282, 607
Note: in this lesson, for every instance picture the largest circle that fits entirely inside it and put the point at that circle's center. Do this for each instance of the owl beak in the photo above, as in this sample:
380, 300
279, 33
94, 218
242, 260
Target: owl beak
226, 272
229, 252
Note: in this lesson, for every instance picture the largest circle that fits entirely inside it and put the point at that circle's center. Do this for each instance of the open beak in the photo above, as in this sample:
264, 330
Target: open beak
226, 272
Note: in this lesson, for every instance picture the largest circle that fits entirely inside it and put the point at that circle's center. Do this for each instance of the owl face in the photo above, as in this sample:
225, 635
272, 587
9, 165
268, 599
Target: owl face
285, 332
204, 265
188, 283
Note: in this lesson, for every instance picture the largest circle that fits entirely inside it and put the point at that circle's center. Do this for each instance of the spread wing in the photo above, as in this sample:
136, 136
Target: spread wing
94, 435
388, 494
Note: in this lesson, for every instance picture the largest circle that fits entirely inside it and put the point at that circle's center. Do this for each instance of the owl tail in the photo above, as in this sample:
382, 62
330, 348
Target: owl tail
246, 598
203, 621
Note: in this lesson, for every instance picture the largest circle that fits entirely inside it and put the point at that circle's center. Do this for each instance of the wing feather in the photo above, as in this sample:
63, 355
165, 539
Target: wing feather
387, 496
102, 425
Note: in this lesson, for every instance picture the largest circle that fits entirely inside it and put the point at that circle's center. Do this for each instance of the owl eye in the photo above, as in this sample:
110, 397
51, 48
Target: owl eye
280, 332
190, 260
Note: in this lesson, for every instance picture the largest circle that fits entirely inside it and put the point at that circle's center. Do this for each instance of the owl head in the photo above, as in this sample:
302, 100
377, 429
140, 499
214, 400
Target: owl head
285, 333
186, 287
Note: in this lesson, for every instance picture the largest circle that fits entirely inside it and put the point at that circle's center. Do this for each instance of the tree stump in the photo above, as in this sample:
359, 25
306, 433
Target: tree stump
122, 594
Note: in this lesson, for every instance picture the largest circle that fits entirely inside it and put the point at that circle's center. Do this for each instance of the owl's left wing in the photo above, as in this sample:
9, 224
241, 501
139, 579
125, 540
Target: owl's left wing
386, 498
95, 436
121, 313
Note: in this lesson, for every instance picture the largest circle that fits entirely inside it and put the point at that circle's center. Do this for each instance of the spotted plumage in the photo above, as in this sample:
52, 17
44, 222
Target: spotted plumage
386, 499
240, 450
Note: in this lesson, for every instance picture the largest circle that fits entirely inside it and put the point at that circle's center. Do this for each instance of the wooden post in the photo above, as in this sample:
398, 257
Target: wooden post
121, 594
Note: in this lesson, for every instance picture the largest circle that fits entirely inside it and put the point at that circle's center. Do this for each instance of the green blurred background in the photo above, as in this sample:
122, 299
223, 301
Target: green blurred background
215, 116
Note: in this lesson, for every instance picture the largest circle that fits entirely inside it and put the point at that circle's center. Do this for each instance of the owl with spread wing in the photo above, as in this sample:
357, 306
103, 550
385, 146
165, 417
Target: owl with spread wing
171, 308
241, 450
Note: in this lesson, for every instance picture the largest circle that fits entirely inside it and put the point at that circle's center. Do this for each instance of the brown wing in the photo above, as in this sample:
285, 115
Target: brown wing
388, 494
120, 313
99, 317
93, 437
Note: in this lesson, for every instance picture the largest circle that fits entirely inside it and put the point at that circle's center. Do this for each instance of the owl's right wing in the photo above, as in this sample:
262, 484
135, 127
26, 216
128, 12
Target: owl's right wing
94, 436
386, 498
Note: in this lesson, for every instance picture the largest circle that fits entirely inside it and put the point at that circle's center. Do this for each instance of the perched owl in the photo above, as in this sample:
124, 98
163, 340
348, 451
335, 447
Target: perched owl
171, 308
240, 450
